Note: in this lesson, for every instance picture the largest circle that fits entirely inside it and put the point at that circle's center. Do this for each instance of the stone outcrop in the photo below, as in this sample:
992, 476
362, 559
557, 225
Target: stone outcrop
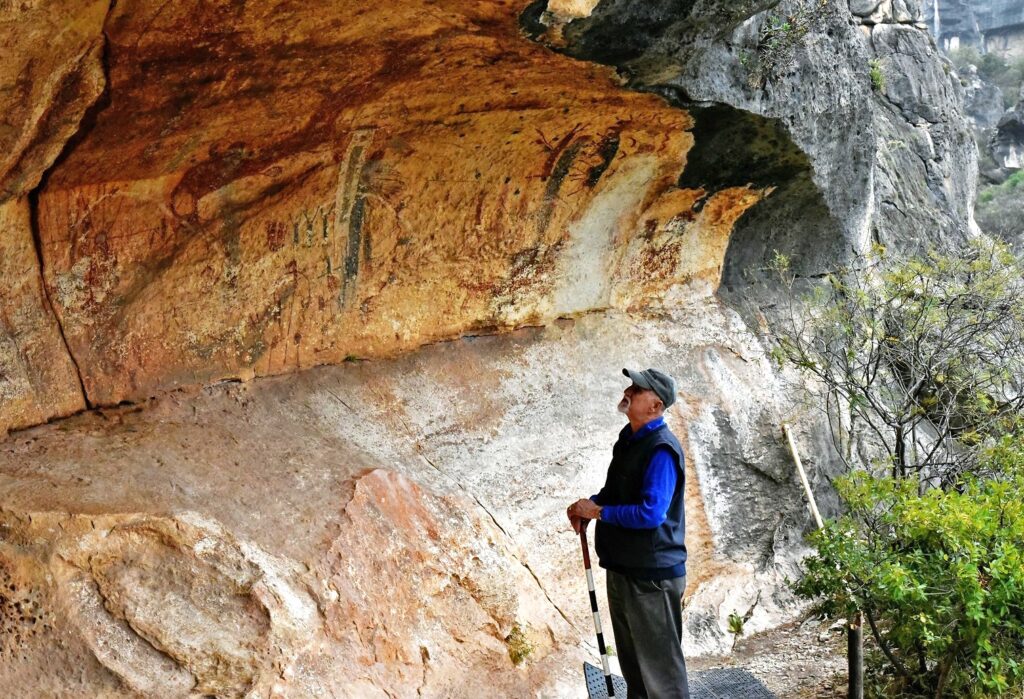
1007, 145
286, 191
983, 102
413, 592
454, 161
52, 73
888, 159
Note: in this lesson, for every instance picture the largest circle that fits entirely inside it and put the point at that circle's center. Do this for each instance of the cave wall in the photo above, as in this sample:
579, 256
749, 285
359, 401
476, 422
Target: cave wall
246, 190
385, 527
51, 69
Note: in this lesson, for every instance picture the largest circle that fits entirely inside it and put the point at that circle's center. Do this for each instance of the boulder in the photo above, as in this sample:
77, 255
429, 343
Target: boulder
1007, 144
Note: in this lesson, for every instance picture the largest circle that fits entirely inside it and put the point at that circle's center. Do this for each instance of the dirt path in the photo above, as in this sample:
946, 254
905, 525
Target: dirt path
802, 660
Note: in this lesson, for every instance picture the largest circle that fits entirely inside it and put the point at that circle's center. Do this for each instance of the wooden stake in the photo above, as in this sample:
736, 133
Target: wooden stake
803, 477
855, 622
855, 655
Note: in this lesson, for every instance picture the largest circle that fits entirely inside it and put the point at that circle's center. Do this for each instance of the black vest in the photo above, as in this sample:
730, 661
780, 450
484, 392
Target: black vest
661, 547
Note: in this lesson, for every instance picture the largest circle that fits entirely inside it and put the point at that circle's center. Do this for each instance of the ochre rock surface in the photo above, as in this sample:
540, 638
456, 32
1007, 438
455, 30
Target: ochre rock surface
38, 379
50, 68
50, 73
415, 593
295, 188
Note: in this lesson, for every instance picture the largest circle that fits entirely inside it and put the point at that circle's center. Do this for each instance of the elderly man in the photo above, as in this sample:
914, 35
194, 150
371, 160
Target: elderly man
639, 542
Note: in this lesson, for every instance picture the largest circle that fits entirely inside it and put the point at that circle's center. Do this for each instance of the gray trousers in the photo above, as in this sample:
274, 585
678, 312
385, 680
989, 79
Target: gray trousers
647, 619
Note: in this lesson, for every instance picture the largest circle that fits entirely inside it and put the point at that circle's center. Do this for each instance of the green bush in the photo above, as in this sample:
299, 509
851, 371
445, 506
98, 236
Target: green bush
875, 73
1000, 209
939, 576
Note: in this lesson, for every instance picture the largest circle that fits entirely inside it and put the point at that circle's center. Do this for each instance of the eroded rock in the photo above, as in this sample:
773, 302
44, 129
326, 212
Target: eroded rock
1007, 145
853, 132
50, 67
415, 591
38, 379
168, 605
419, 502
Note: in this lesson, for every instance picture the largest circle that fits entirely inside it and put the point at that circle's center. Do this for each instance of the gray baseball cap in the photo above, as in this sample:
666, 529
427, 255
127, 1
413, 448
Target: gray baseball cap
658, 381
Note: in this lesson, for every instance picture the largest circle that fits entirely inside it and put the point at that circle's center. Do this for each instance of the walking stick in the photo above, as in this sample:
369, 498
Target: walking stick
593, 608
855, 622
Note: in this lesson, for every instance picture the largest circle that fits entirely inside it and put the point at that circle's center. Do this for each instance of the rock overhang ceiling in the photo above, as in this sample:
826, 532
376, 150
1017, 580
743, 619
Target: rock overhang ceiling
258, 188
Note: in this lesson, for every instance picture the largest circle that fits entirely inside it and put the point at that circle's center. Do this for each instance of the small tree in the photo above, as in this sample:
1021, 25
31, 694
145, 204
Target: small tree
939, 577
921, 359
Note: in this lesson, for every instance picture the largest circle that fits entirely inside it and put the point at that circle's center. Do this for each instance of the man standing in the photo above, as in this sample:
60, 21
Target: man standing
639, 542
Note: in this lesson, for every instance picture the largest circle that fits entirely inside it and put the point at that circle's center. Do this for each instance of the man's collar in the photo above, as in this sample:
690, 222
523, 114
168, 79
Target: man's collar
645, 428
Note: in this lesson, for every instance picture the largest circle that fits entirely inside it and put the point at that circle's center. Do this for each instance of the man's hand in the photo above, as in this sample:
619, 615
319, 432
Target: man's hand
581, 512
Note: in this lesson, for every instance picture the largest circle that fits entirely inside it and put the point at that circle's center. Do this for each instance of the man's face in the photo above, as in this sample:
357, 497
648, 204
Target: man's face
639, 404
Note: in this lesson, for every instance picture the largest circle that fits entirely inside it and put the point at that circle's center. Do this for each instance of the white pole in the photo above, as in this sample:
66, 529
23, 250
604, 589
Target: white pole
855, 636
803, 476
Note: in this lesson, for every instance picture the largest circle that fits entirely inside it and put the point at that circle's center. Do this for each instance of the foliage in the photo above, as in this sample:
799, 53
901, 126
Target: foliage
875, 73
920, 359
1007, 75
735, 627
939, 577
1000, 209
778, 41
519, 647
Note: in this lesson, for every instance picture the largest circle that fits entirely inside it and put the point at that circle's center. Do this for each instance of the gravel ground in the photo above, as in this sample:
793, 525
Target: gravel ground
801, 660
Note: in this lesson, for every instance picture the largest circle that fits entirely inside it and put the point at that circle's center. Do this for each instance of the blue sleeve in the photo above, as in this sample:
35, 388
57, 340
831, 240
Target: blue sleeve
658, 487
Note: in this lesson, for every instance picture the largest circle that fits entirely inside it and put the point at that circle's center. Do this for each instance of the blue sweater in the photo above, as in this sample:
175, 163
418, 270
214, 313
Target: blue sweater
658, 488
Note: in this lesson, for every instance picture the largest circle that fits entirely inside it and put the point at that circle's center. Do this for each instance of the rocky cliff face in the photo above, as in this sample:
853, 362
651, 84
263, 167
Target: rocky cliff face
1007, 144
884, 156
286, 191
198, 192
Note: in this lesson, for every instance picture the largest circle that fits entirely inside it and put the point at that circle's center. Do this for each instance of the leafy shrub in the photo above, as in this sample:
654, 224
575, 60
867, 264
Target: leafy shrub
920, 359
939, 576
875, 73
777, 44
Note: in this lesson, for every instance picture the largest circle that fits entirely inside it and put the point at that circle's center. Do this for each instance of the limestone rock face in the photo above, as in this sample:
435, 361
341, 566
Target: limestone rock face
52, 62
198, 193
392, 526
1008, 140
884, 162
51, 69
38, 379
983, 102
415, 592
